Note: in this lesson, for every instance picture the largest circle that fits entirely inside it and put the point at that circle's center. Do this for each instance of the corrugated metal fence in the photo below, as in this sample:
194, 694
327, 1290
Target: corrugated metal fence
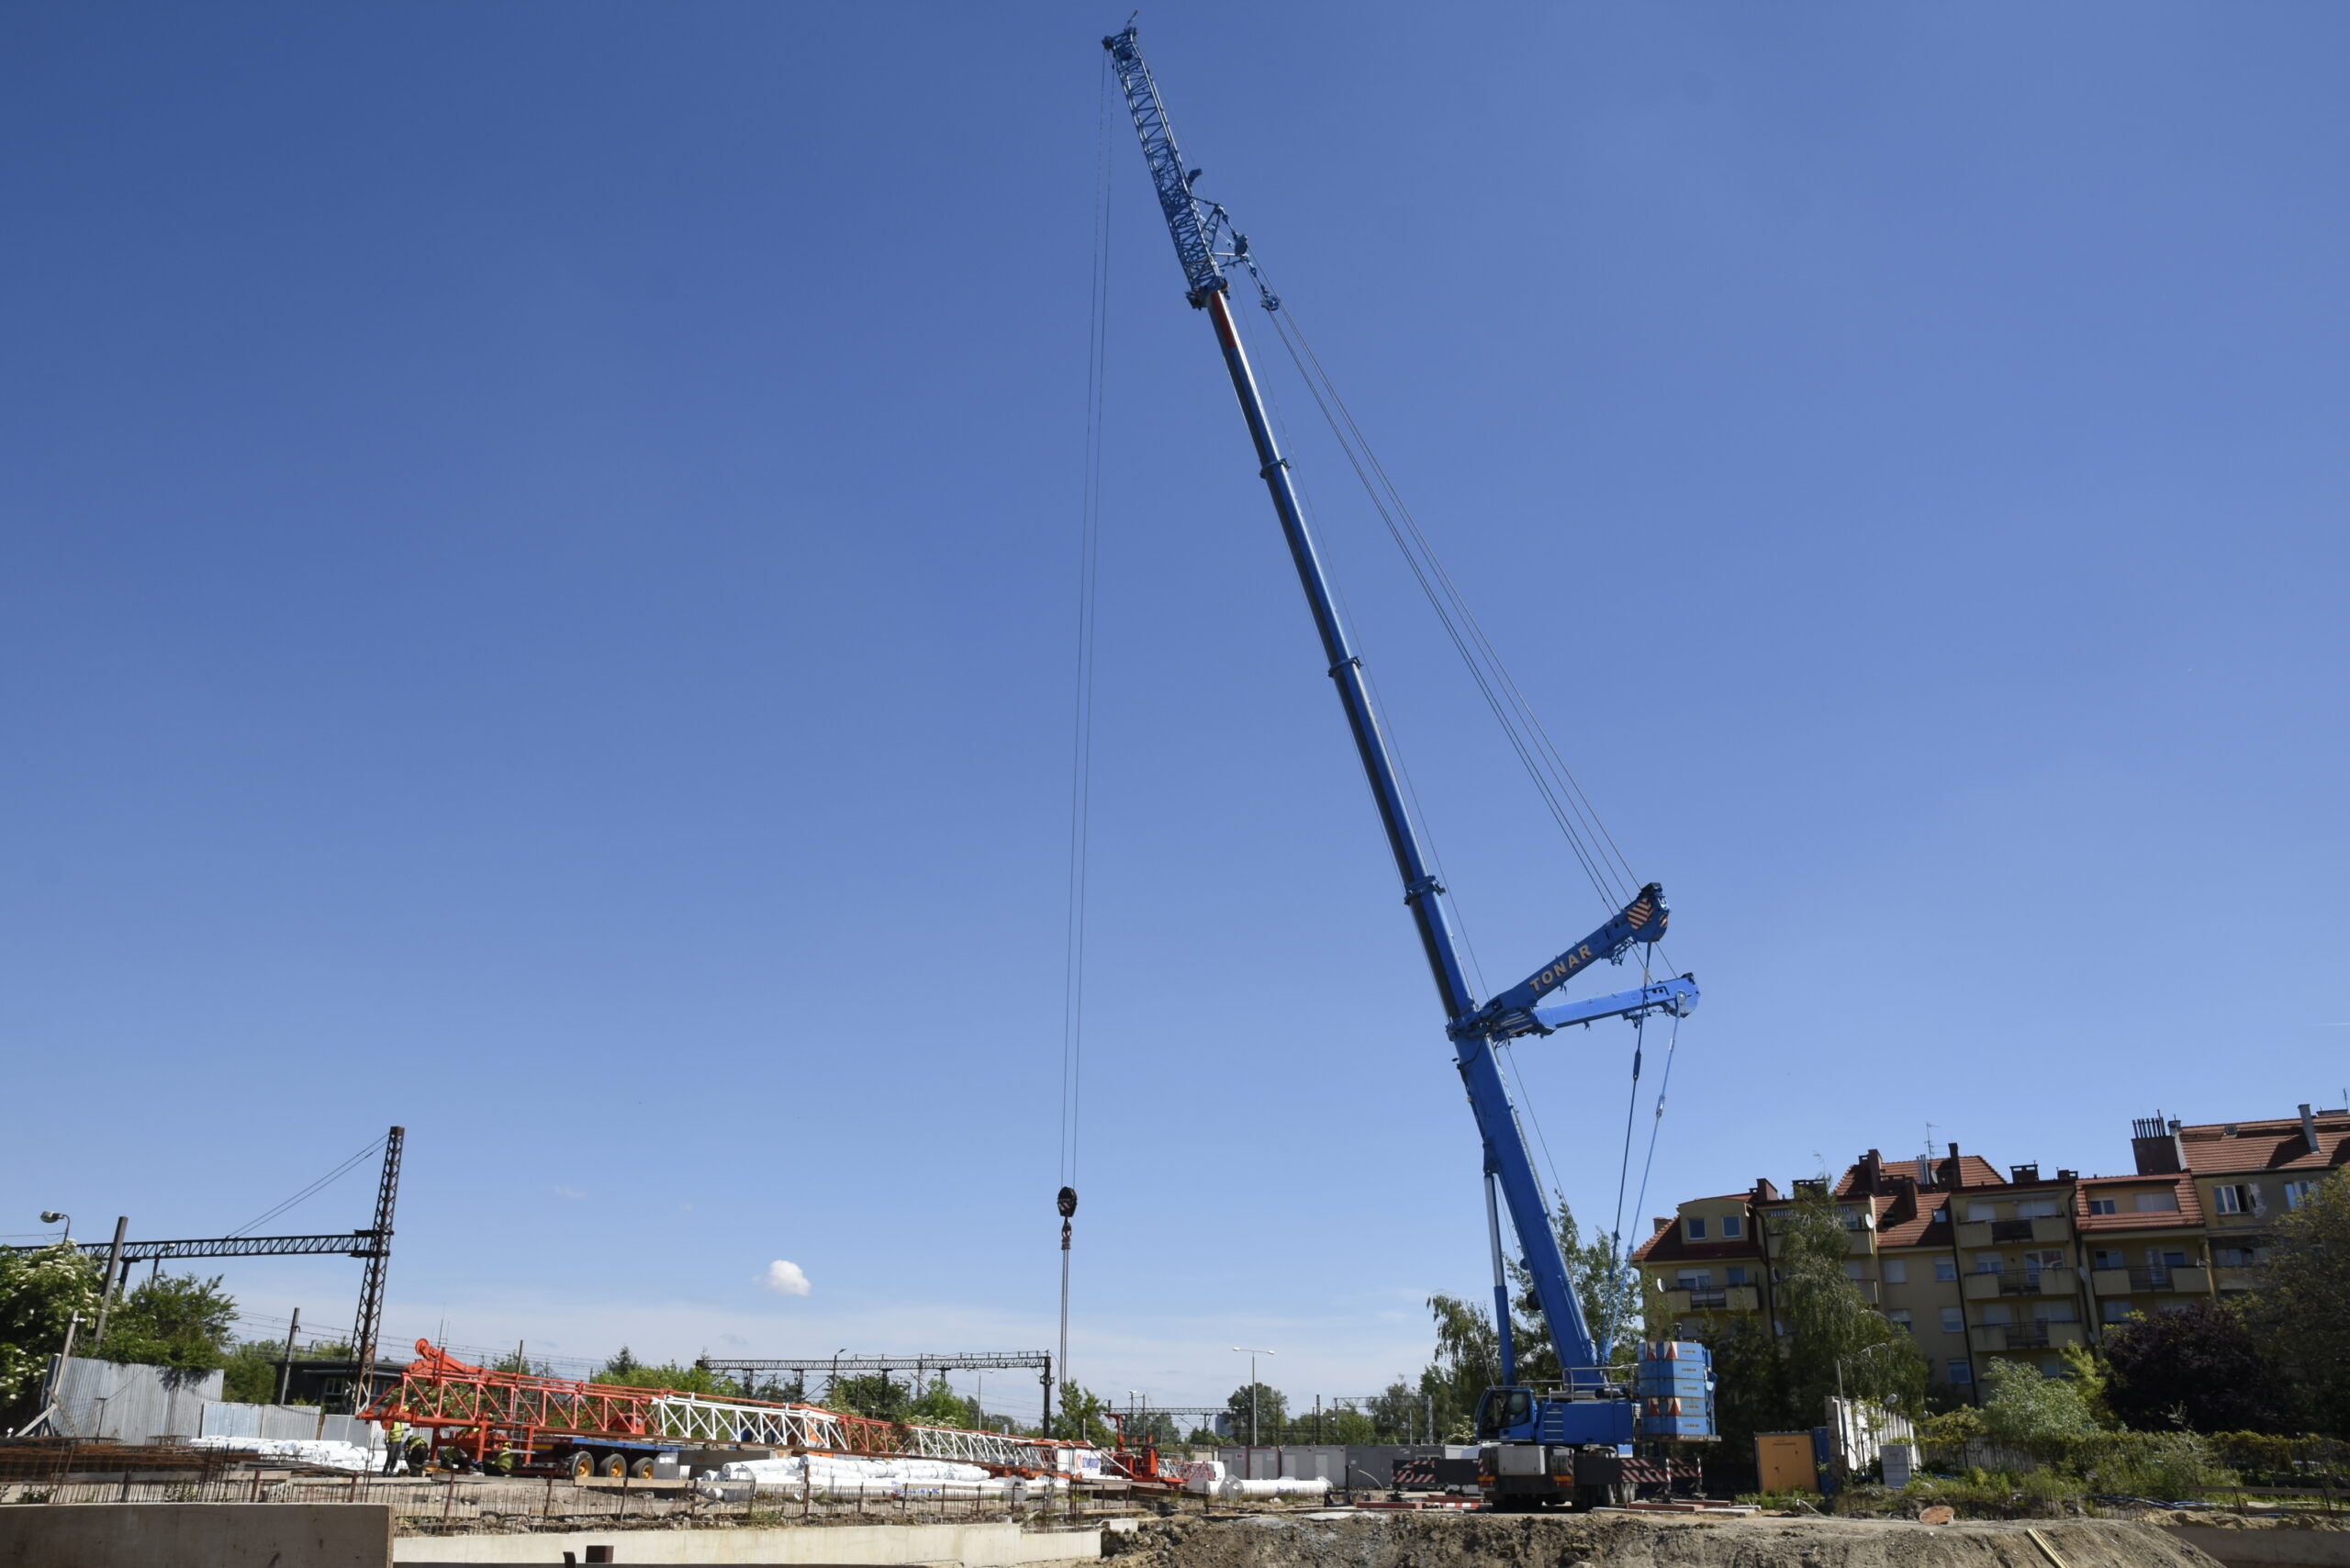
138, 1404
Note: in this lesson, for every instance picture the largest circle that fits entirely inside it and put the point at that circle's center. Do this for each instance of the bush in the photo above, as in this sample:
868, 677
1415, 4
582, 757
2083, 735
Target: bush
2165, 1467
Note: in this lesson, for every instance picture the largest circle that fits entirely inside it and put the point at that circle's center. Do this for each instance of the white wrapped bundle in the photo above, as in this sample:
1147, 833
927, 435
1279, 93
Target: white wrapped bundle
1284, 1486
327, 1453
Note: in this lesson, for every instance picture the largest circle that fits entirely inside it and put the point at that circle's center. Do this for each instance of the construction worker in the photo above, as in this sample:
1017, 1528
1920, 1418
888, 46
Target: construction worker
396, 1447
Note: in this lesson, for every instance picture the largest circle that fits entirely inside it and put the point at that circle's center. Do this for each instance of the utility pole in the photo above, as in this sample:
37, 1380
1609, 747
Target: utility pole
106, 1282
371, 1285
285, 1372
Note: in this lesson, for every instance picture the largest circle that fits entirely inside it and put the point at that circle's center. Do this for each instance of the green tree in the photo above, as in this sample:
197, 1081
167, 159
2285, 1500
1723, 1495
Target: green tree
2301, 1313
626, 1372
1079, 1417
2047, 1418
176, 1321
1468, 1361
1271, 1413
1834, 1338
942, 1406
2195, 1368
1608, 1294
877, 1394
1397, 1414
40, 1292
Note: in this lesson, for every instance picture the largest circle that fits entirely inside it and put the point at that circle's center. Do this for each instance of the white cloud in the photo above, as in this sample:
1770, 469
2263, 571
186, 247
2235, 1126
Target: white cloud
785, 1278
569, 1193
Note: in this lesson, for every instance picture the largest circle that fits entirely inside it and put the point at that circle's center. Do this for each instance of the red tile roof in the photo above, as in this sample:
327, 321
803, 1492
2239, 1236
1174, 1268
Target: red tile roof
2190, 1208
2212, 1150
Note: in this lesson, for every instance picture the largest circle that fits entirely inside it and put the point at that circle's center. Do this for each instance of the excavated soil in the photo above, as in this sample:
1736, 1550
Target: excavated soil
1608, 1541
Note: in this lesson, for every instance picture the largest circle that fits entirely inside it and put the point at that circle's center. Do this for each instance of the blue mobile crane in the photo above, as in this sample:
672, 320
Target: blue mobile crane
1536, 1445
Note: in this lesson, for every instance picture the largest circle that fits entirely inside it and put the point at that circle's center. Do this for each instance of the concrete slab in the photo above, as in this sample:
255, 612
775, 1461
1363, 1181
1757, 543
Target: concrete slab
1001, 1545
2268, 1547
196, 1535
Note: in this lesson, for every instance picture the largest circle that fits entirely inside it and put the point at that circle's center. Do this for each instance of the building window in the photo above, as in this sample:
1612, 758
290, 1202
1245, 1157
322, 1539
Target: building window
1960, 1372
2117, 1312
1733, 1226
1986, 1262
1996, 1312
2234, 1256
2047, 1258
1901, 1320
2055, 1309
2106, 1257
1954, 1320
2157, 1202
2104, 1205
2036, 1208
1696, 1280
1736, 1274
2299, 1193
1853, 1271
1854, 1218
1945, 1269
1696, 1225
1897, 1272
1979, 1211
2052, 1366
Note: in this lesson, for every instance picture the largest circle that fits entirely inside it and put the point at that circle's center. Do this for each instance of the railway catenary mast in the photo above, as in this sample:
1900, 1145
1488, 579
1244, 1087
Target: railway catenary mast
1596, 1411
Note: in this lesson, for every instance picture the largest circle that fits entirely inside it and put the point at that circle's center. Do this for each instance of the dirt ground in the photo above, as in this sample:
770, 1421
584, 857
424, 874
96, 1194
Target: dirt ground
1607, 1540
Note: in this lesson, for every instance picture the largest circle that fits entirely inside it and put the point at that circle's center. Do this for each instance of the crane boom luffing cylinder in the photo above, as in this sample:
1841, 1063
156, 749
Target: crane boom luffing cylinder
1595, 1410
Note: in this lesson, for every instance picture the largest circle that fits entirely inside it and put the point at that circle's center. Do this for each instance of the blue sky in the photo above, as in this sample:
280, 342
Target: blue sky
539, 546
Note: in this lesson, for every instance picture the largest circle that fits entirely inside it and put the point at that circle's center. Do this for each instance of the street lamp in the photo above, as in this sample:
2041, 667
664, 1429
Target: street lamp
1252, 1354
1843, 1409
51, 1216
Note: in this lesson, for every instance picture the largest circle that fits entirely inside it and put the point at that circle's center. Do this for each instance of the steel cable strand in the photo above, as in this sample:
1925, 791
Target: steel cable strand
1526, 757
1586, 810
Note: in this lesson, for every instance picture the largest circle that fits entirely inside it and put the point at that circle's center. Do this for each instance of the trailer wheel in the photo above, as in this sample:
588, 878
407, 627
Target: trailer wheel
583, 1465
643, 1468
615, 1466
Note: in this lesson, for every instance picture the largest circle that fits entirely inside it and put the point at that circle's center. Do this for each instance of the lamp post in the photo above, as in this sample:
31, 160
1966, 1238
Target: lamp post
53, 1216
1252, 1354
1843, 1409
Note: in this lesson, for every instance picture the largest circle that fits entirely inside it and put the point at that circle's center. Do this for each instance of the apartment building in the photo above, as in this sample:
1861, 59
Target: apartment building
1977, 1264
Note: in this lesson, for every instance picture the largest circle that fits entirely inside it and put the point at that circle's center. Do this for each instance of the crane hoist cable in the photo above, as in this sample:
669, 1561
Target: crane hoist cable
1081, 789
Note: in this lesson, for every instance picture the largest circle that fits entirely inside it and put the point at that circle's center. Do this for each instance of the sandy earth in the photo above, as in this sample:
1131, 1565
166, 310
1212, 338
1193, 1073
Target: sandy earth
1607, 1541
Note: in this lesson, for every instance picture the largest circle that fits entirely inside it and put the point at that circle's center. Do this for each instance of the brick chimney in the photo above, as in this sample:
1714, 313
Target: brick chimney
2308, 1129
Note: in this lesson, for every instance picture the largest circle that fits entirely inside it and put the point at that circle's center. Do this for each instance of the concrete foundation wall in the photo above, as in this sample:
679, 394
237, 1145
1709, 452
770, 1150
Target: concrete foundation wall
196, 1535
974, 1546
2268, 1547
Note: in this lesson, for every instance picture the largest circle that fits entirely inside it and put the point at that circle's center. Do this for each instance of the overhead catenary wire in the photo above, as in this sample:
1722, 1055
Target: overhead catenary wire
311, 1191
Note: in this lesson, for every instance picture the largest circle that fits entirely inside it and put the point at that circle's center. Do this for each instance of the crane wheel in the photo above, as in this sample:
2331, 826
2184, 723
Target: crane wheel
643, 1468
583, 1465
615, 1466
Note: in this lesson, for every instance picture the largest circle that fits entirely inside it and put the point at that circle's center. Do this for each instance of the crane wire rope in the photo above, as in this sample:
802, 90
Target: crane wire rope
1331, 569
1081, 789
1593, 846
1081, 725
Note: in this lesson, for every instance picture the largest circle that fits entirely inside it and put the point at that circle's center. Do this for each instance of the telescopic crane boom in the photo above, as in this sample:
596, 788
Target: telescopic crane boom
1597, 1411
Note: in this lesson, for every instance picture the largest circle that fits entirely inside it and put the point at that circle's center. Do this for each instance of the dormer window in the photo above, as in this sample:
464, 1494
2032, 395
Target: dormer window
1696, 1225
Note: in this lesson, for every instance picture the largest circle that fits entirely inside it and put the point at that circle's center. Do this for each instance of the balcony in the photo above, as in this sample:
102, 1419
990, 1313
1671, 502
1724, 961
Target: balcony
2235, 1222
2153, 1277
1723, 1298
2033, 1336
1868, 1290
1987, 1285
2241, 1276
2045, 1229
